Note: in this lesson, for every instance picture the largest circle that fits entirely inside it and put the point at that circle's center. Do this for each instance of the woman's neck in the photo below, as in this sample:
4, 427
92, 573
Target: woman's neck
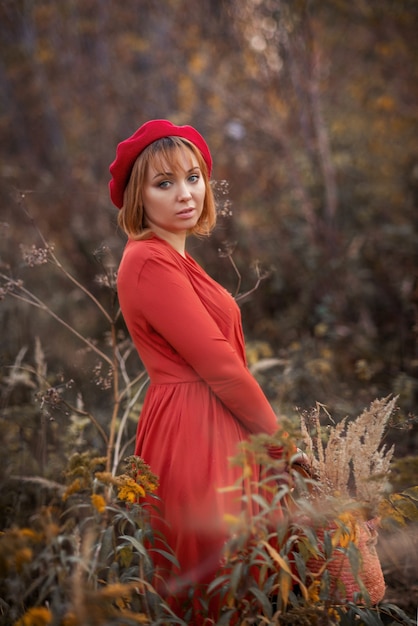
175, 240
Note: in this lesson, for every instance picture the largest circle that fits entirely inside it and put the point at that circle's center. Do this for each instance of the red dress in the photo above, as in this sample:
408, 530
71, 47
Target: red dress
202, 400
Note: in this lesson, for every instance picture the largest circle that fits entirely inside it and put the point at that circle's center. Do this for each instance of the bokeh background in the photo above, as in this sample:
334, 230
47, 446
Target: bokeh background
311, 112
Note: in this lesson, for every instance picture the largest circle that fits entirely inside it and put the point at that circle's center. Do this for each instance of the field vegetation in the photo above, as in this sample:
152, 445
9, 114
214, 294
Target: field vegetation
310, 110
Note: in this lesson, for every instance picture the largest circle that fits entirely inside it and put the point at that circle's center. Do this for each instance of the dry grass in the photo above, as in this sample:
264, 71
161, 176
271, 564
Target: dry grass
352, 462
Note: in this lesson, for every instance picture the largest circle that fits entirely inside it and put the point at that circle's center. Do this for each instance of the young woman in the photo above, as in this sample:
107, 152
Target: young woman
202, 400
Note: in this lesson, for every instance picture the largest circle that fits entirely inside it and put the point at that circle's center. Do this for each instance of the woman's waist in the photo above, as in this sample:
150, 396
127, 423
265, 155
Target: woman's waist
173, 378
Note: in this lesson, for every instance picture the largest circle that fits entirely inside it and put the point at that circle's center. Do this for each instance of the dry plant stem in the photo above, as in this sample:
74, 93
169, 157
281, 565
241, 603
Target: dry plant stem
91, 418
58, 263
116, 400
133, 382
69, 406
237, 272
26, 296
328, 170
123, 451
78, 584
250, 291
122, 358
142, 577
30, 298
117, 451
238, 297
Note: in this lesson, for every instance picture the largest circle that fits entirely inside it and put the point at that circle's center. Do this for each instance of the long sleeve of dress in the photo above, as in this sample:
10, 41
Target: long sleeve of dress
165, 297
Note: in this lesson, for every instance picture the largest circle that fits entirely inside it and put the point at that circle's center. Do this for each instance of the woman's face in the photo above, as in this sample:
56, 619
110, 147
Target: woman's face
173, 195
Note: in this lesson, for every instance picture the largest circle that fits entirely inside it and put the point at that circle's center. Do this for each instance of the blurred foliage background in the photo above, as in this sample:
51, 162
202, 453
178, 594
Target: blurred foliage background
311, 112
310, 108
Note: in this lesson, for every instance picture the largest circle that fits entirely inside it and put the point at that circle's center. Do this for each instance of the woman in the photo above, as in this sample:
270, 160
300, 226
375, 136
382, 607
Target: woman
202, 400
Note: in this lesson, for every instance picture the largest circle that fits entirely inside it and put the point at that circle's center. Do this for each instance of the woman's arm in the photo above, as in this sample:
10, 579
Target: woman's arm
167, 300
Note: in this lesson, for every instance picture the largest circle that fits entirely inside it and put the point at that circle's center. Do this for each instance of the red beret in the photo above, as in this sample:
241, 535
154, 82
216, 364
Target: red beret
128, 151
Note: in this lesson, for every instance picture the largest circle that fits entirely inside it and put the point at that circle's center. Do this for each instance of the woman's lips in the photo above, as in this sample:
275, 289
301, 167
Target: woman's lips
185, 213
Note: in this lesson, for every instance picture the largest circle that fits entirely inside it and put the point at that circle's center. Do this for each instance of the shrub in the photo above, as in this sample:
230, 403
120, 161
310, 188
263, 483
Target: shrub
79, 551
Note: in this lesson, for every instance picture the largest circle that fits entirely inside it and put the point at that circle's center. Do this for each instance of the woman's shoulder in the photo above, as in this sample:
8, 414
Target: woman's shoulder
138, 252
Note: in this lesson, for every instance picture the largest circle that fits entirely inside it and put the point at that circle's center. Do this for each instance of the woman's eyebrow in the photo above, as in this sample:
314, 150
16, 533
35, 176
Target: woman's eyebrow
189, 171
162, 174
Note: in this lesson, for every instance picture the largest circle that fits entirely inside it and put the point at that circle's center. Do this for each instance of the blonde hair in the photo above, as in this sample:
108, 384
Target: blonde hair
163, 152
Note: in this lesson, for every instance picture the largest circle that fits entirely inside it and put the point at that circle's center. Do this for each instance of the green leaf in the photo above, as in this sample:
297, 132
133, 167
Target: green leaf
260, 501
300, 566
263, 600
236, 576
293, 539
169, 556
412, 493
406, 503
125, 556
107, 545
324, 592
328, 548
353, 554
137, 545
218, 582
226, 618
311, 541
367, 617
392, 609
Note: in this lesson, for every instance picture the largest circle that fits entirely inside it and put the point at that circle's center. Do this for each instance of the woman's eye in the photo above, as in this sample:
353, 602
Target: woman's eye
164, 184
194, 178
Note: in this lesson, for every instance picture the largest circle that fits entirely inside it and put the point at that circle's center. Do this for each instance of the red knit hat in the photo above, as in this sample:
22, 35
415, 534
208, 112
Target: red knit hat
128, 151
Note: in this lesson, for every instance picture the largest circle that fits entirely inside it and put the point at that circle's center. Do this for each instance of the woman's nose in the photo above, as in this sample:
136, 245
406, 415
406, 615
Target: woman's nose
184, 192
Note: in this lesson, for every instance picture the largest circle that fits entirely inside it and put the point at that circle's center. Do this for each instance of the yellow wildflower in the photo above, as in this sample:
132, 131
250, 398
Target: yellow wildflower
130, 491
334, 615
51, 530
247, 470
36, 616
69, 619
135, 483
136, 468
148, 485
72, 488
106, 478
346, 531
231, 520
22, 556
313, 591
98, 502
117, 590
127, 495
28, 533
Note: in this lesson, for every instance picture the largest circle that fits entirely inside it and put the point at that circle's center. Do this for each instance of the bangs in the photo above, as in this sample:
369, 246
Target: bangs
169, 154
